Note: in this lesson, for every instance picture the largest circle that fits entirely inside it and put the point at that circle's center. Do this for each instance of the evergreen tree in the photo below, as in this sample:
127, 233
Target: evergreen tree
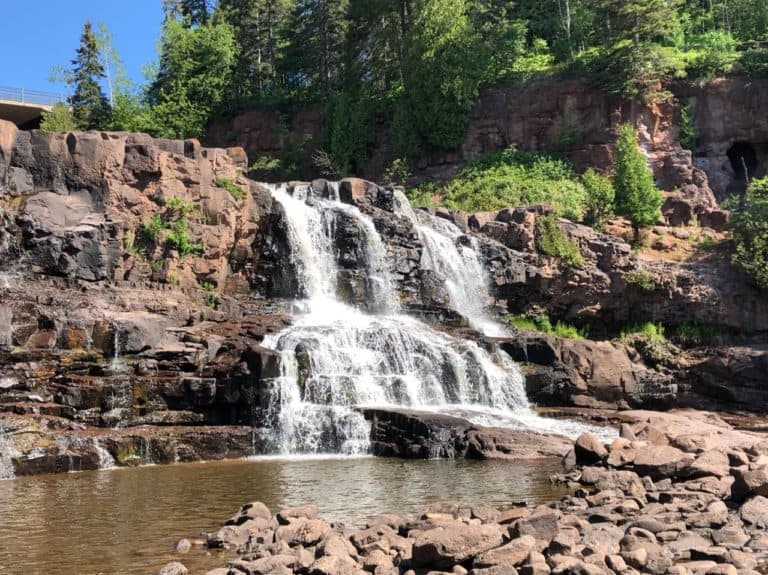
636, 195
194, 77
445, 63
315, 38
90, 108
258, 26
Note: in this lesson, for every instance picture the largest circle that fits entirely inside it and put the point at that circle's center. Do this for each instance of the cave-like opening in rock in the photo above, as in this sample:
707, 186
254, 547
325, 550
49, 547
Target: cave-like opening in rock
743, 156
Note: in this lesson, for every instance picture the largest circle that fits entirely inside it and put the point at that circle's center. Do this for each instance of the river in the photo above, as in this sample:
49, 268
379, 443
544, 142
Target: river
126, 521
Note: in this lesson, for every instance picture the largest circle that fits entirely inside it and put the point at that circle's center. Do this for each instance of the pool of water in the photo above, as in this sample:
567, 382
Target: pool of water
125, 521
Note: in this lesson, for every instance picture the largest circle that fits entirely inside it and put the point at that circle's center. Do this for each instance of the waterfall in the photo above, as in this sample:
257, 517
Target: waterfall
457, 257
6, 463
106, 461
336, 357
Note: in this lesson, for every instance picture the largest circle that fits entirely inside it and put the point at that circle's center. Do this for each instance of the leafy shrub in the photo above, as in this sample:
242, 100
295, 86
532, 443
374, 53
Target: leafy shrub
689, 132
749, 226
553, 241
511, 178
640, 279
58, 119
398, 171
150, 229
235, 190
600, 198
715, 55
179, 240
543, 324
654, 332
754, 61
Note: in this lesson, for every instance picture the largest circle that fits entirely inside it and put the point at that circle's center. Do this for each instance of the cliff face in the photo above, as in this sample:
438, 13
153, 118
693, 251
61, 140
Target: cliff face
140, 277
568, 116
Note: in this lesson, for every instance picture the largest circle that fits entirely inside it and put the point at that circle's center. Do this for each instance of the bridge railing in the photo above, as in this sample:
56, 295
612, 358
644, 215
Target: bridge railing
25, 96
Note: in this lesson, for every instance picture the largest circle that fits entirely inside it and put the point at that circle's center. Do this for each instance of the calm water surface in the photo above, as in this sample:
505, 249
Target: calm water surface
125, 521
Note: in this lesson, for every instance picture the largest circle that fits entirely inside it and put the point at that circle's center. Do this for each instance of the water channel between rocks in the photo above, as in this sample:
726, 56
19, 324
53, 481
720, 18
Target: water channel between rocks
125, 521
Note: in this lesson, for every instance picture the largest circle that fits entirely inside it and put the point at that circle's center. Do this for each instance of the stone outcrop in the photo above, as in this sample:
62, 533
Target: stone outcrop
140, 277
670, 496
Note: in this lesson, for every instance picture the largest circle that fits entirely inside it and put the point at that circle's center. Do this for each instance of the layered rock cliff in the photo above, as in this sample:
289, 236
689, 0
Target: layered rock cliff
140, 276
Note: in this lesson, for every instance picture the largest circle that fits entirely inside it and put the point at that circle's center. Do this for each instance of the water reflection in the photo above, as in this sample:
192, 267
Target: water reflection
124, 521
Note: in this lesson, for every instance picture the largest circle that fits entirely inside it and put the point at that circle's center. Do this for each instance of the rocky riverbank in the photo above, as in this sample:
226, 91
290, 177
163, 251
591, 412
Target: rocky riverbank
679, 493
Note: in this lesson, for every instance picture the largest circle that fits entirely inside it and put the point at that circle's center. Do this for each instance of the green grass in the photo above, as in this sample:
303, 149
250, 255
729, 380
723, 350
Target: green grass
509, 178
653, 331
543, 324
235, 190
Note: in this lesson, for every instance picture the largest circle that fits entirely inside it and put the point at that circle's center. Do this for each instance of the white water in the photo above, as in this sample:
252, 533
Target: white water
457, 257
106, 461
6, 464
336, 357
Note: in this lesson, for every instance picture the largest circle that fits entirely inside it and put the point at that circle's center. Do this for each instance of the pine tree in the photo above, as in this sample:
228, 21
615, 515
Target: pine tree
89, 104
637, 197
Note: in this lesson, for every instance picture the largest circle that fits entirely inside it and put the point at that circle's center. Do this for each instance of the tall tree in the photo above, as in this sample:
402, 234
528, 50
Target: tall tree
89, 104
637, 197
258, 26
315, 36
194, 76
445, 64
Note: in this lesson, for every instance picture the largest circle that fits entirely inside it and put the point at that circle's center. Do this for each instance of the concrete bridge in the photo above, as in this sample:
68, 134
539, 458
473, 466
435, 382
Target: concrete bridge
25, 107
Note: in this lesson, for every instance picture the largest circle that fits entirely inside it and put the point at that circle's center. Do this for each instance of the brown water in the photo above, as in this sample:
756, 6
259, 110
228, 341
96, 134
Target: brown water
125, 521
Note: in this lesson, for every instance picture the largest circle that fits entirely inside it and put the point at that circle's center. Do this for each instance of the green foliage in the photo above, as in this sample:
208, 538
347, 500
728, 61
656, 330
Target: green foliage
90, 108
754, 61
600, 198
397, 172
654, 332
346, 133
511, 178
640, 279
443, 68
536, 61
150, 229
749, 226
405, 135
58, 119
689, 132
636, 195
178, 239
194, 77
235, 190
696, 334
715, 54
552, 241
543, 324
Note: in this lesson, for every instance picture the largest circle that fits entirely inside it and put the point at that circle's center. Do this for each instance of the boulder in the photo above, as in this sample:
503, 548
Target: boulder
511, 554
755, 512
173, 568
589, 449
442, 548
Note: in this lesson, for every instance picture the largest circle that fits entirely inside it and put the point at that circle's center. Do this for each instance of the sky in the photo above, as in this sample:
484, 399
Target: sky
40, 34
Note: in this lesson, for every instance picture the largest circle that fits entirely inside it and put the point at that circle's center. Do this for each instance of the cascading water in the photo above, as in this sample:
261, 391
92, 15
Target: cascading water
336, 357
457, 257
6, 464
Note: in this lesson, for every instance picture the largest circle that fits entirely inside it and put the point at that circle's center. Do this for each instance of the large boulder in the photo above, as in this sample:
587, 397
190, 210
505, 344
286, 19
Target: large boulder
444, 547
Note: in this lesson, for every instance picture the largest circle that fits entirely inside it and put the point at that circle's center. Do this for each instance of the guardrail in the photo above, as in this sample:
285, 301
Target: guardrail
25, 96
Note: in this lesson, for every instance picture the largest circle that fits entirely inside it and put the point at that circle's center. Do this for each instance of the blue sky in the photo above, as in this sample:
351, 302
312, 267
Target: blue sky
39, 34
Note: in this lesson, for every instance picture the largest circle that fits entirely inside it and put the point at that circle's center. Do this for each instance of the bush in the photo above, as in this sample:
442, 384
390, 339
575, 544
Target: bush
689, 132
235, 190
695, 335
543, 324
179, 240
600, 198
749, 226
150, 229
511, 178
397, 172
552, 241
715, 55
58, 119
640, 279
636, 195
654, 332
